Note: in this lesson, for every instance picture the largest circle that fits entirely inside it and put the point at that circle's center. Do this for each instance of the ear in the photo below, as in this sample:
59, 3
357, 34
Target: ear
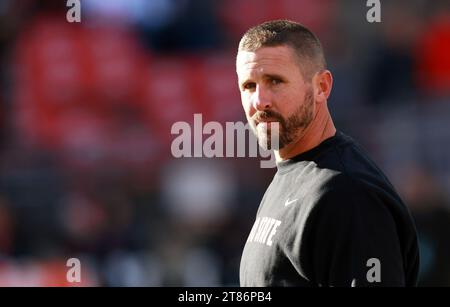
322, 83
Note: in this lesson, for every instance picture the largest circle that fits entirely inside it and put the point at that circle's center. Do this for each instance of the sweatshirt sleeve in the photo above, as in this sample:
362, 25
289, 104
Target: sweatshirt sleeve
351, 239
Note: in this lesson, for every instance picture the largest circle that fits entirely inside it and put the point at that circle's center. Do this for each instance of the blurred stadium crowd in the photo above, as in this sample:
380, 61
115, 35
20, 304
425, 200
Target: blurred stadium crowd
86, 110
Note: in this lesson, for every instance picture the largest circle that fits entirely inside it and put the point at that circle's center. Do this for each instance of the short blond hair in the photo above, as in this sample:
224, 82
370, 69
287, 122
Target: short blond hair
276, 33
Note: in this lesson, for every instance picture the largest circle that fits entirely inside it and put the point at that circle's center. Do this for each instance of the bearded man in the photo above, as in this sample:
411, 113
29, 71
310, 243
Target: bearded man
330, 217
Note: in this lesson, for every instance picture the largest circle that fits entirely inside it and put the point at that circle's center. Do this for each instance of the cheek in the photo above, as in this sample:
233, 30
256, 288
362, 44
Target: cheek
293, 98
246, 104
286, 102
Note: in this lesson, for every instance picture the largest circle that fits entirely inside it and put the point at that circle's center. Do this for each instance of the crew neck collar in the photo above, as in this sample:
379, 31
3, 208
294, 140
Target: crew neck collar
286, 165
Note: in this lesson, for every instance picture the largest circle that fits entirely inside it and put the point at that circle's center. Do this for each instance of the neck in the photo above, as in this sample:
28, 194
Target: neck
320, 129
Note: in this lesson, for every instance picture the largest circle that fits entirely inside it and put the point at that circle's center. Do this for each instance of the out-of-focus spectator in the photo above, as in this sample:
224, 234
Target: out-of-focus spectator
207, 206
43, 273
433, 61
238, 16
391, 71
132, 269
180, 25
7, 228
431, 211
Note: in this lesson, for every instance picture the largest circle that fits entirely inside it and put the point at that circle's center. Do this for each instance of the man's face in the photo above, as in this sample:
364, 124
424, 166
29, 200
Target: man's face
274, 90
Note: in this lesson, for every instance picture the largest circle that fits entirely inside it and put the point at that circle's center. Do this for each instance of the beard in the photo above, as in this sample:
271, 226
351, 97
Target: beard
280, 132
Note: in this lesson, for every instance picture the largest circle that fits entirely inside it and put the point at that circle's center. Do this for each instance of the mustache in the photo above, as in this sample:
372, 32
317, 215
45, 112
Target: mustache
261, 116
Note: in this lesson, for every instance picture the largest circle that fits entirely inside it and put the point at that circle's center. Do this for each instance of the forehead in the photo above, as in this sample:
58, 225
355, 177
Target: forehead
280, 59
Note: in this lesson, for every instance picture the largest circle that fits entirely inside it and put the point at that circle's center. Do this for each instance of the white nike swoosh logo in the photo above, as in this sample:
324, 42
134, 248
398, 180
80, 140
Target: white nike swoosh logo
287, 203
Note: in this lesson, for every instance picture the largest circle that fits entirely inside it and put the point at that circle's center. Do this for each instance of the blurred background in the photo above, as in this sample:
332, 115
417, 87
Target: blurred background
86, 109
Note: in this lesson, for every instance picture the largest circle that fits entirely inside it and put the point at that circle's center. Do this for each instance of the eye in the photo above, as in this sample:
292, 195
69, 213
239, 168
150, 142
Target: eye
275, 81
249, 86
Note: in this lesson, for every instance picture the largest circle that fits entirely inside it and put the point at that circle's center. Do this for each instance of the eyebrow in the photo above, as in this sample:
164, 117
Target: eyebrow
273, 76
265, 76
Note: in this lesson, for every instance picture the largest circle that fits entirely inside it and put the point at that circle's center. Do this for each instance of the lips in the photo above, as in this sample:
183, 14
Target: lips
266, 117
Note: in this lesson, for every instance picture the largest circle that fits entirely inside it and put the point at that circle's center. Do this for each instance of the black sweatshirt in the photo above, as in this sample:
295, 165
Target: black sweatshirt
330, 217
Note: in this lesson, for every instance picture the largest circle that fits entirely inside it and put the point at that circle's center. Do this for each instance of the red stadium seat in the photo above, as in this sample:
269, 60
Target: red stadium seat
167, 93
76, 90
238, 16
220, 96
433, 68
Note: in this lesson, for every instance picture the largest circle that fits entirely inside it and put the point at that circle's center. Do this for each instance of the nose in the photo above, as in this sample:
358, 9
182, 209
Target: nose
261, 99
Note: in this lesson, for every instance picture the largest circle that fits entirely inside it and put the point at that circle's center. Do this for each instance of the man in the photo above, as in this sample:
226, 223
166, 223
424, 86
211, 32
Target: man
330, 217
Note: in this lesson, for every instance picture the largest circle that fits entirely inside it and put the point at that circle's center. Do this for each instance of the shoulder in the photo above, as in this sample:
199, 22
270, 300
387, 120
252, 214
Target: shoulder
343, 192
343, 182
356, 179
